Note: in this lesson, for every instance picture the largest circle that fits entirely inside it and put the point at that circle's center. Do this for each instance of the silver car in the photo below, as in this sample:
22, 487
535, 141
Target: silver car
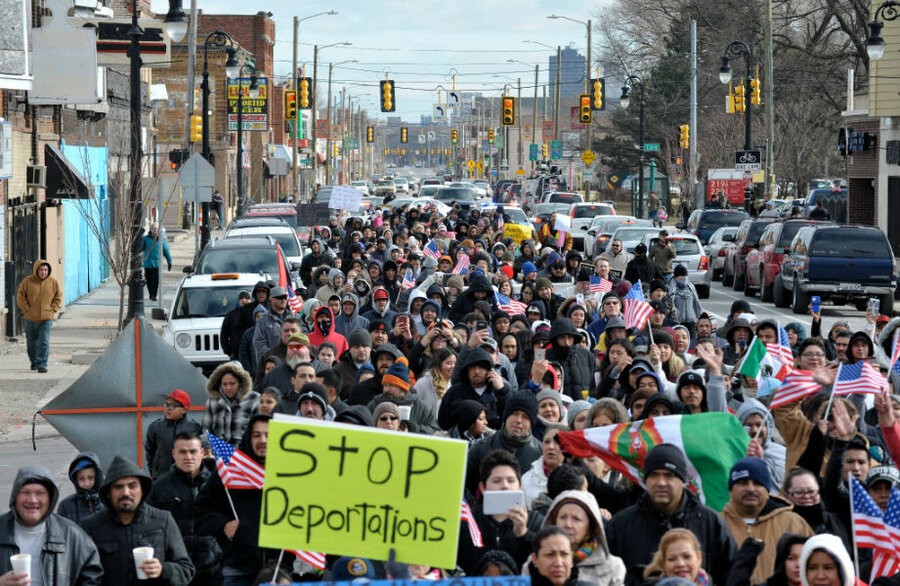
717, 249
688, 252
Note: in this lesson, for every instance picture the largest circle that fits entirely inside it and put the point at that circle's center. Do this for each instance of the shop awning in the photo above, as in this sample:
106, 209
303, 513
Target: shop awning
63, 179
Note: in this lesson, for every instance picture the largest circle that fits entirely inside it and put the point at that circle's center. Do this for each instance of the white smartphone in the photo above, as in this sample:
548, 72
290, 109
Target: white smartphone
498, 502
540, 354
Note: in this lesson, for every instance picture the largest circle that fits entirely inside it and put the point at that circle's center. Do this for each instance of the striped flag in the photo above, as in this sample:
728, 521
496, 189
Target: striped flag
637, 310
245, 472
859, 377
294, 302
869, 530
408, 280
222, 451
798, 384
510, 306
600, 285
784, 347
431, 250
895, 355
313, 558
762, 362
462, 265
885, 562
465, 514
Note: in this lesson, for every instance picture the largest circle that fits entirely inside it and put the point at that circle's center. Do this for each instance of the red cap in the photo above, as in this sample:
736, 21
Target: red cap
181, 397
381, 294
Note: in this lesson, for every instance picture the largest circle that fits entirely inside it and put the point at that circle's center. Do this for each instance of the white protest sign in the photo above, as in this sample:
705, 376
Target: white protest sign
563, 223
345, 198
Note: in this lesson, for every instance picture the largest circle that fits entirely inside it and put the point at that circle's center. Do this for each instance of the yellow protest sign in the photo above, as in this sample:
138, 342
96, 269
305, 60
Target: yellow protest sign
349, 490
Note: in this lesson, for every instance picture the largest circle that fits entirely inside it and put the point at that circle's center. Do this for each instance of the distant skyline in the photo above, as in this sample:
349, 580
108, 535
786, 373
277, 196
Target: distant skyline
421, 44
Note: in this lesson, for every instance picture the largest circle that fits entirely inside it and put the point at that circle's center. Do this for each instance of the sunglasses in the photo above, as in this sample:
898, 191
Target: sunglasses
388, 418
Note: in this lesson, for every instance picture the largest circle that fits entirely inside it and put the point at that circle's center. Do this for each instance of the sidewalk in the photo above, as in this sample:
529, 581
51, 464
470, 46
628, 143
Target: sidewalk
85, 328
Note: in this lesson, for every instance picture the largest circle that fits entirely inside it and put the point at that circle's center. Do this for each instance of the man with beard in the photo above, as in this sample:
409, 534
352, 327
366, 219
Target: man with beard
360, 351
291, 326
299, 351
383, 357
129, 522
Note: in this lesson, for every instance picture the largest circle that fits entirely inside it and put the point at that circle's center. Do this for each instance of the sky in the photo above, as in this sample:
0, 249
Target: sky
420, 44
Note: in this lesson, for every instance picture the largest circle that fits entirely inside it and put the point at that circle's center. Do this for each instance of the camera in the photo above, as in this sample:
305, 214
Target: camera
482, 325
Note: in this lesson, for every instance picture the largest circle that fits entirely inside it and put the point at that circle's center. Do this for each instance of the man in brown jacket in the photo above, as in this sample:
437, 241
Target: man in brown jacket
39, 297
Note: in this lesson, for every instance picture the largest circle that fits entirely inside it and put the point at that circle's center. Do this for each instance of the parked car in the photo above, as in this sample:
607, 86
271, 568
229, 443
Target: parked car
704, 222
733, 274
764, 261
601, 230
362, 186
562, 197
242, 255
581, 215
386, 188
688, 252
842, 264
284, 235
631, 236
717, 247
284, 211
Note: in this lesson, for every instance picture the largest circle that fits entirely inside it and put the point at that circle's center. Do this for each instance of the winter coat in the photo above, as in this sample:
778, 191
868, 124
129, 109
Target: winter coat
267, 332
39, 300
83, 503
526, 452
494, 535
421, 419
317, 337
578, 369
773, 521
662, 257
641, 268
68, 555
424, 388
634, 534
161, 439
227, 418
466, 300
311, 261
150, 247
330, 288
492, 399
534, 482
149, 527
229, 336
774, 453
601, 567
345, 325
686, 301
246, 353
177, 492
617, 262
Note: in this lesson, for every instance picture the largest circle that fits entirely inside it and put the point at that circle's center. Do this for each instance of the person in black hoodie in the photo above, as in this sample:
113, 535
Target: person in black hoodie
86, 475
318, 256
231, 326
238, 537
245, 319
577, 362
480, 289
641, 268
789, 546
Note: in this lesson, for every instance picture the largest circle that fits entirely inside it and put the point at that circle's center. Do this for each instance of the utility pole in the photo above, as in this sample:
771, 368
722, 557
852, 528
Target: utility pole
312, 130
556, 109
770, 105
590, 128
692, 157
295, 169
534, 111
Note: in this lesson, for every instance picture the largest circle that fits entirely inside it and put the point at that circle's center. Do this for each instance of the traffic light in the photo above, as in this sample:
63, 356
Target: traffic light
305, 95
370, 134
509, 111
490, 136
544, 150
196, 128
387, 95
740, 98
755, 92
177, 158
290, 105
584, 108
403, 134
454, 136
685, 138
598, 87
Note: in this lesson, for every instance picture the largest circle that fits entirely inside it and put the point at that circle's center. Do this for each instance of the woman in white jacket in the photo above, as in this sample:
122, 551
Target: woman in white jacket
534, 482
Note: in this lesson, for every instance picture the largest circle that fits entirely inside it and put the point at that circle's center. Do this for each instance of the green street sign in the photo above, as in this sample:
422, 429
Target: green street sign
651, 147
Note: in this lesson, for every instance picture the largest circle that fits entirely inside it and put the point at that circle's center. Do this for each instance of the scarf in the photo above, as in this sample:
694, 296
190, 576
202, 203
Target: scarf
585, 550
703, 578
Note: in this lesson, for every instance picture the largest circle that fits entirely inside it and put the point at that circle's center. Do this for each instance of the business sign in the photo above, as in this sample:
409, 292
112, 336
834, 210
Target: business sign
356, 491
546, 130
254, 111
113, 42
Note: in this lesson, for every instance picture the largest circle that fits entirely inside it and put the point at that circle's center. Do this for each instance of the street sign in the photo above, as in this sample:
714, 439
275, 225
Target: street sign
588, 156
546, 130
532, 152
520, 171
556, 150
748, 160
471, 164
480, 165
651, 147
421, 139
196, 179
439, 113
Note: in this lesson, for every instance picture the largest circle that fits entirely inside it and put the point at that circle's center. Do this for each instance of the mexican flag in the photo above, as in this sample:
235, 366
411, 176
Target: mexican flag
712, 442
759, 363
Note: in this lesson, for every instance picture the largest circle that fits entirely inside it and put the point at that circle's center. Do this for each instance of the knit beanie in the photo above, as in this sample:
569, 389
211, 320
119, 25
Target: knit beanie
575, 408
667, 457
548, 394
465, 413
359, 337
528, 268
541, 283
364, 368
524, 402
754, 469
397, 375
386, 407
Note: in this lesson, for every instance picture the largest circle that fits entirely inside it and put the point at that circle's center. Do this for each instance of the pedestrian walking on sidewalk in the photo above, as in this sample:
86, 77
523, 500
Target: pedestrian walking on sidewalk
150, 245
40, 300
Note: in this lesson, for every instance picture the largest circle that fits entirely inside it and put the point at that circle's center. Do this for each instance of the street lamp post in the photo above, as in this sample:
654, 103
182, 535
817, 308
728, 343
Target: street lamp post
220, 39
890, 11
176, 27
253, 91
315, 105
631, 82
736, 48
329, 162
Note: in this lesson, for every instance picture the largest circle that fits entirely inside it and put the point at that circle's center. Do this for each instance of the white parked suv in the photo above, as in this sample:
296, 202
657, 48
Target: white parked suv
284, 235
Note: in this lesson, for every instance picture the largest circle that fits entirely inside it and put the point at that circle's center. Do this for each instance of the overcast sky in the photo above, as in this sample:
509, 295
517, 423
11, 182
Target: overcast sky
419, 42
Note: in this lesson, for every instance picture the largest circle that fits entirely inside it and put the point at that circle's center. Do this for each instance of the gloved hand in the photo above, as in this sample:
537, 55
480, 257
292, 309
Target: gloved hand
170, 266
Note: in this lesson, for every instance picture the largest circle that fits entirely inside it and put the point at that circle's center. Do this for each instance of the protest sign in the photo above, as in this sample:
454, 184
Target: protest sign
355, 491
313, 214
563, 223
345, 198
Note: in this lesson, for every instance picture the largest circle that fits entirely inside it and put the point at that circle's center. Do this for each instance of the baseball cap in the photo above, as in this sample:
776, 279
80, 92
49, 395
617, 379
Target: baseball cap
491, 343
348, 569
181, 397
278, 292
298, 338
886, 473
381, 294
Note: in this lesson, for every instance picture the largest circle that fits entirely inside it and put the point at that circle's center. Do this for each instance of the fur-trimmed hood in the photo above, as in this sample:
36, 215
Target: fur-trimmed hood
233, 368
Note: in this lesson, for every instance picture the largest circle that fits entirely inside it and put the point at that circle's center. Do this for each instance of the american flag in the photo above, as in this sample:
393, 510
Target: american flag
462, 265
222, 451
313, 558
246, 473
637, 310
294, 302
869, 530
784, 347
859, 377
408, 280
465, 514
600, 285
775, 350
797, 385
510, 306
895, 355
431, 249
885, 561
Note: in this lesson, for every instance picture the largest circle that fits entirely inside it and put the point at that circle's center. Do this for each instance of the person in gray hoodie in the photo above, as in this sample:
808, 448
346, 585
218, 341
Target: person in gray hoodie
349, 319
61, 552
86, 475
758, 422
335, 286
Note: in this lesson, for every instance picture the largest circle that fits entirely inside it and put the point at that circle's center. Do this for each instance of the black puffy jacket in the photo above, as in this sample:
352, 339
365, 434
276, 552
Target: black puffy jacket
466, 301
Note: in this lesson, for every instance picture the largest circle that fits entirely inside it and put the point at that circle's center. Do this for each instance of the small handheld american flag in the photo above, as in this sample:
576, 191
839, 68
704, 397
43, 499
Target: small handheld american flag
600, 285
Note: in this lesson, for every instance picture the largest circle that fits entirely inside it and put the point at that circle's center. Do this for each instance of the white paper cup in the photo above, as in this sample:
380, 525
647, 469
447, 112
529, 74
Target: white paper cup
405, 412
21, 563
141, 554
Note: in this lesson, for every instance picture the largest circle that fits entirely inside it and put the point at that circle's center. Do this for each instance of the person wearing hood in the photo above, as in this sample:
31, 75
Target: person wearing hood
526, 254
324, 330
334, 286
756, 419
437, 294
319, 280
268, 329
414, 304
396, 389
359, 353
318, 255
787, 561
233, 518
578, 514
383, 357
825, 562
86, 476
127, 522
577, 362
231, 402
40, 298
230, 332
739, 337
477, 379
796, 333
381, 306
860, 348
246, 319
349, 319
641, 267
162, 432
480, 289
61, 552
390, 279
685, 298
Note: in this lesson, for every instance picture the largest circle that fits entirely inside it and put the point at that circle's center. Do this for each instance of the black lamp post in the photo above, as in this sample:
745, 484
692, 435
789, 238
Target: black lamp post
630, 82
736, 48
217, 38
254, 89
176, 27
889, 10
